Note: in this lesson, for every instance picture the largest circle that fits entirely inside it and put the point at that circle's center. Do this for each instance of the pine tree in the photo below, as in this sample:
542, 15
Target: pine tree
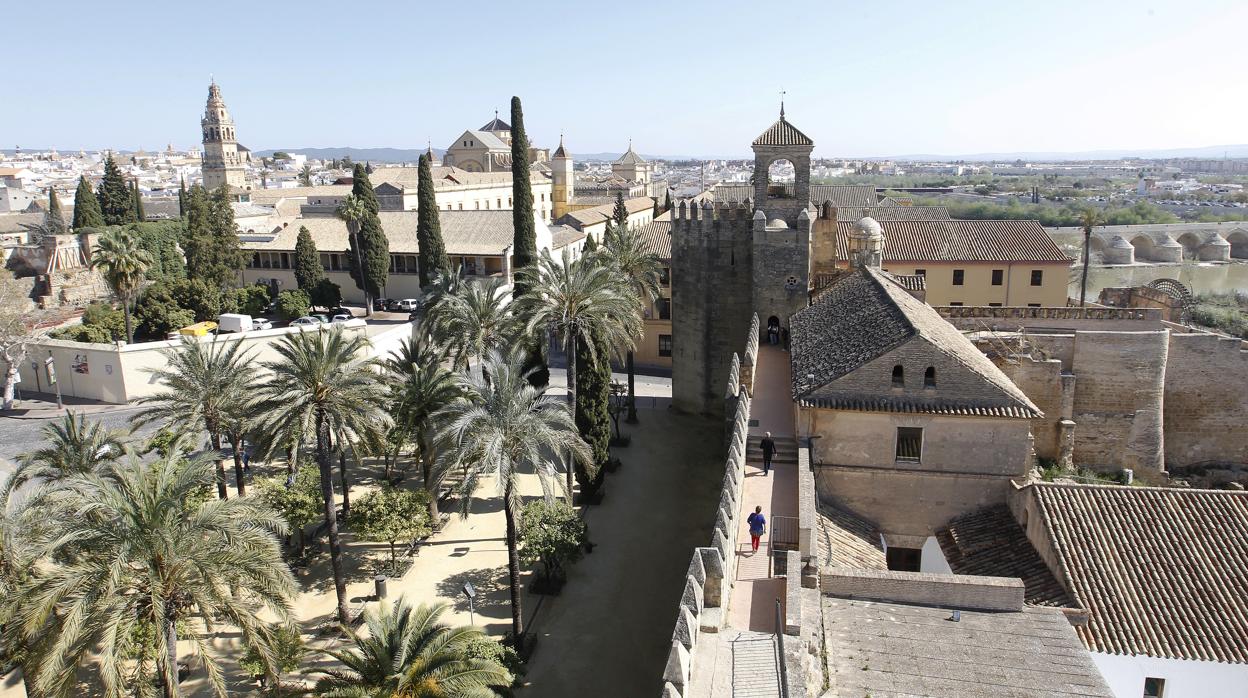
137, 200
525, 243
308, 269
86, 207
433, 257
116, 201
54, 219
593, 417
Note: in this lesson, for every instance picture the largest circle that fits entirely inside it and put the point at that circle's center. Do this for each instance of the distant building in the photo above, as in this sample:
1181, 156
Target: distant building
225, 161
488, 149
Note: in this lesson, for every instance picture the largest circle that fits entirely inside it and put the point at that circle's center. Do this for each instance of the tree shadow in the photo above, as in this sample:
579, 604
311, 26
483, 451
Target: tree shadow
486, 581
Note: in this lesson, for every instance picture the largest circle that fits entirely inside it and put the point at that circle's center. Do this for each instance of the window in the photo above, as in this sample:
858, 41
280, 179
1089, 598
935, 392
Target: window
956, 304
1033, 305
1154, 688
929, 377
959, 275
500, 203
994, 305
664, 306
461, 205
1037, 277
903, 559
909, 443
899, 376
998, 277
920, 272
665, 345
665, 276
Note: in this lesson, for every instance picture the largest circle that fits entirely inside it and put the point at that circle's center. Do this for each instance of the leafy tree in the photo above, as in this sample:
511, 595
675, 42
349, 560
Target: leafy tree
288, 652
525, 243
101, 324
293, 304
420, 386
161, 239
204, 386
630, 255
281, 155
252, 300
134, 547
72, 447
305, 176
157, 312
502, 426
326, 294
552, 534
322, 383
391, 514
116, 201
54, 219
593, 417
433, 259
87, 212
204, 301
410, 652
308, 269
296, 497
19, 327
137, 199
124, 265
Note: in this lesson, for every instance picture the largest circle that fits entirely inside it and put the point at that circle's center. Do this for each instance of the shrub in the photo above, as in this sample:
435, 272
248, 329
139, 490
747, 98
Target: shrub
391, 514
325, 294
552, 534
101, 324
293, 304
485, 647
251, 300
157, 312
289, 649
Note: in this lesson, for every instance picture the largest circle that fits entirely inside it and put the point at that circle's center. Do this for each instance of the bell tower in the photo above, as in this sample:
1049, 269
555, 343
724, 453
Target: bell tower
222, 162
563, 183
782, 141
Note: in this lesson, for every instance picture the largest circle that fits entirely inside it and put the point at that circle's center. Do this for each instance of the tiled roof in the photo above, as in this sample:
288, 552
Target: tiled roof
865, 314
893, 213
496, 124
783, 133
959, 241
846, 540
911, 282
630, 157
658, 236
464, 232
1162, 572
896, 201
990, 543
490, 141
272, 196
589, 216
563, 235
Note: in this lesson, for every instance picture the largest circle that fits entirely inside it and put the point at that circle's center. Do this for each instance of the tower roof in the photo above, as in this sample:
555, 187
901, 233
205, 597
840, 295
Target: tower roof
630, 157
214, 94
496, 124
783, 133
560, 152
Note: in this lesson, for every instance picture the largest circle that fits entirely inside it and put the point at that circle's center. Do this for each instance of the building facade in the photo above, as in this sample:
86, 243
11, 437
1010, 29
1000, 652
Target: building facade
224, 159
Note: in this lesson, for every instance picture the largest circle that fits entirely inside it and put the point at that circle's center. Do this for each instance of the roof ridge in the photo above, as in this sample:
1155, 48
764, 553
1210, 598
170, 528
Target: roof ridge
1137, 488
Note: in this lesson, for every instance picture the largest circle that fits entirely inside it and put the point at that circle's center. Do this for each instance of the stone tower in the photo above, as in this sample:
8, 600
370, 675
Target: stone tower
730, 261
223, 163
562, 182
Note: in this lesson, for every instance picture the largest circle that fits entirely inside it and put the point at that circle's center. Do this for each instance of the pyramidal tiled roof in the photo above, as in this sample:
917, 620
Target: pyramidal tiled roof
783, 133
496, 124
630, 157
560, 152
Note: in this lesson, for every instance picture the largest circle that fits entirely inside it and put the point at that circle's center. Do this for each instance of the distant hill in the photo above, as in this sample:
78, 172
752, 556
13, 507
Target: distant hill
1211, 151
373, 155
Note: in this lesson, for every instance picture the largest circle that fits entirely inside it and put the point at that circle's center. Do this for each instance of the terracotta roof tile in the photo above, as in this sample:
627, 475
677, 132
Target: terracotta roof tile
990, 543
658, 236
783, 133
847, 540
959, 241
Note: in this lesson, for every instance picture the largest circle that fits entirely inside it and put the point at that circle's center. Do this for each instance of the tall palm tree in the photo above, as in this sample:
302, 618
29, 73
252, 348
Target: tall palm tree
420, 386
409, 652
630, 254
74, 446
322, 384
1090, 218
584, 300
124, 264
133, 551
473, 320
352, 210
208, 386
501, 427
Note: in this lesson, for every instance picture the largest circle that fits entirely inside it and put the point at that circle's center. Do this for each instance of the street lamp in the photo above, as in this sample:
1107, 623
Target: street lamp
471, 593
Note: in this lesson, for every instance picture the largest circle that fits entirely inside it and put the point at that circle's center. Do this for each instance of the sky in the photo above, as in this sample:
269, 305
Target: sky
678, 78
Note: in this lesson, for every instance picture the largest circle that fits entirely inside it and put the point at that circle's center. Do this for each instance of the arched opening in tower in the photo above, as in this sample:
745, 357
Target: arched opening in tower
781, 175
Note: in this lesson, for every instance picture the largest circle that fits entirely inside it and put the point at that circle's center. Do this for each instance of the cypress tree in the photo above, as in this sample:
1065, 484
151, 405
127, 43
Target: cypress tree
374, 253
433, 258
591, 245
620, 213
137, 199
213, 253
363, 189
54, 219
197, 240
182, 199
655, 212
593, 417
525, 243
86, 207
308, 269
229, 251
116, 201
667, 201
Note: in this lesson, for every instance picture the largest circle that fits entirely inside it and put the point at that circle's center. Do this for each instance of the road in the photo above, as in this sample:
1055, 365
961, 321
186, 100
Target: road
18, 436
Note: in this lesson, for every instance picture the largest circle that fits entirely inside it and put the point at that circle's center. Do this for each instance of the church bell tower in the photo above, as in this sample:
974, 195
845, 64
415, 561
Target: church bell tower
223, 163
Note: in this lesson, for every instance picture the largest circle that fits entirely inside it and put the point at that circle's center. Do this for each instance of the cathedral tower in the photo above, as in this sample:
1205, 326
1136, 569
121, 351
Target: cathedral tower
563, 183
223, 158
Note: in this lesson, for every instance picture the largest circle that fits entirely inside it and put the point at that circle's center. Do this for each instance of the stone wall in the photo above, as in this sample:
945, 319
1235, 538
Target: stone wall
967, 318
781, 276
944, 590
1119, 399
1053, 392
1206, 400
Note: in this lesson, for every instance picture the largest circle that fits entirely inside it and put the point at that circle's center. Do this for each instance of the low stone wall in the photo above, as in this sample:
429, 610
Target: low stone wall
967, 318
944, 590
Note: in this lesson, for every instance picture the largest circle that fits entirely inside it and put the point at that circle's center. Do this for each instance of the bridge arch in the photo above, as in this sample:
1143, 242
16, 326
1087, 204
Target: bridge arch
1239, 243
1191, 243
1144, 247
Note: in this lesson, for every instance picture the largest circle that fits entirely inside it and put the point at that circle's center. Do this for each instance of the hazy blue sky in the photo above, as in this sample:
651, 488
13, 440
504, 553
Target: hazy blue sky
678, 77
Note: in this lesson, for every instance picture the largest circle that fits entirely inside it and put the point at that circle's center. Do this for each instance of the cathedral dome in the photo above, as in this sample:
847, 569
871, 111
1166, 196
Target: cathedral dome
868, 227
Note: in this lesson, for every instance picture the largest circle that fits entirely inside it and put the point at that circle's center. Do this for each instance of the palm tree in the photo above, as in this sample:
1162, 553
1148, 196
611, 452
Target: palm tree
420, 387
207, 387
473, 320
630, 254
352, 210
408, 652
135, 552
124, 265
500, 427
584, 300
74, 447
322, 384
1090, 219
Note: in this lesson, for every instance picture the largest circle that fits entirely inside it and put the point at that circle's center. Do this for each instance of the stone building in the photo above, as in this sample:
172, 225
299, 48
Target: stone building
488, 149
225, 161
631, 167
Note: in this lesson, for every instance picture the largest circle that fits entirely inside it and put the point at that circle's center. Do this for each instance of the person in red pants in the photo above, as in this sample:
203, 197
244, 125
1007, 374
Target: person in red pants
758, 526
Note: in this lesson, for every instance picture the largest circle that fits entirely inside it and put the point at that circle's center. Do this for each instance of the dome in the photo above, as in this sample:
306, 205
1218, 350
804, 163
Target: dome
777, 223
868, 227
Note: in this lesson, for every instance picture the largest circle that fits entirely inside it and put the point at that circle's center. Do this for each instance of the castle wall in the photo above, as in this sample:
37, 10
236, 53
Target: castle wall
1206, 399
1118, 402
781, 270
1042, 381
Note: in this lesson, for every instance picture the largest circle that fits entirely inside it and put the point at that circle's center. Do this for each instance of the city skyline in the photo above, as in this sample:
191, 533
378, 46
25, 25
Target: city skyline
1037, 83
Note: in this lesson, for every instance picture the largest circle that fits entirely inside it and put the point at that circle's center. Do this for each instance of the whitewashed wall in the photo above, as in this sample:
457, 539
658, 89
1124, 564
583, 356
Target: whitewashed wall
1184, 679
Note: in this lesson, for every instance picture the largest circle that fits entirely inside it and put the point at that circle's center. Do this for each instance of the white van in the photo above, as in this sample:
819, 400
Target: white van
233, 322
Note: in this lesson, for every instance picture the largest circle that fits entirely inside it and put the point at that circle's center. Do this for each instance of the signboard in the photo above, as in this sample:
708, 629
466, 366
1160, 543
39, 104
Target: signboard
49, 365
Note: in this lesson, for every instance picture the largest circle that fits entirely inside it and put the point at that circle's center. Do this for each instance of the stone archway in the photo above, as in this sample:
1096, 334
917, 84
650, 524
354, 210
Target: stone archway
1191, 243
1143, 245
1239, 243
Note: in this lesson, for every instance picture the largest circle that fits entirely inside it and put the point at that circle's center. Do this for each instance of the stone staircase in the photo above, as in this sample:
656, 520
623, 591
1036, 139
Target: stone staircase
786, 450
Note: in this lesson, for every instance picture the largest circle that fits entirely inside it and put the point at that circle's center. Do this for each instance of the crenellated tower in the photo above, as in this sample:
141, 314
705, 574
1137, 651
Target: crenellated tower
223, 163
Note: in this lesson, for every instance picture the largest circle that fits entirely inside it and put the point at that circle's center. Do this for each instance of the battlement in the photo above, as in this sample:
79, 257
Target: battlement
689, 214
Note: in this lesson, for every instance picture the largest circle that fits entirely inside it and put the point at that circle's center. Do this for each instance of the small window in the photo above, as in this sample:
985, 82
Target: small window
903, 559
998, 277
1154, 688
665, 276
664, 306
959, 275
1033, 305
1037, 277
994, 305
910, 444
665, 345
899, 376
920, 272
956, 304
929, 377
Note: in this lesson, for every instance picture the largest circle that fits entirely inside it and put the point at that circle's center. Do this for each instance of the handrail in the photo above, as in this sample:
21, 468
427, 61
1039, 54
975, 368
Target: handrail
784, 672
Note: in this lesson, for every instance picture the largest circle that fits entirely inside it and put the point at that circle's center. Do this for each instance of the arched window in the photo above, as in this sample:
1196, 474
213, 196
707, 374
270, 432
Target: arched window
929, 377
899, 376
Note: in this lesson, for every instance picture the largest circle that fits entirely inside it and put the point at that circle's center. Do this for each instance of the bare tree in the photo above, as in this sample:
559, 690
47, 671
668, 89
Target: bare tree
19, 326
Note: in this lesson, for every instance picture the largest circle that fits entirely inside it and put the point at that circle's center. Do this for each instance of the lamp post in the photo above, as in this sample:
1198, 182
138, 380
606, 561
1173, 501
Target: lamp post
50, 366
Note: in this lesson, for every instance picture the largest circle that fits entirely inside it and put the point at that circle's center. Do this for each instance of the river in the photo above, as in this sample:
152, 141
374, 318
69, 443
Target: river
1200, 277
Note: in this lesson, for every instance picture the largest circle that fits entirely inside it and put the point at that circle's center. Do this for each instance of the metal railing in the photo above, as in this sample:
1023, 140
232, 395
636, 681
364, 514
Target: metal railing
784, 671
784, 533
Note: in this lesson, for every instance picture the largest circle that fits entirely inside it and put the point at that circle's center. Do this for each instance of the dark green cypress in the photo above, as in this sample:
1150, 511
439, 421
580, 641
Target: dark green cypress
433, 258
591, 245
374, 253
525, 242
86, 207
308, 269
116, 201
593, 418
363, 189
182, 199
54, 219
213, 253
620, 213
137, 199
667, 201
655, 212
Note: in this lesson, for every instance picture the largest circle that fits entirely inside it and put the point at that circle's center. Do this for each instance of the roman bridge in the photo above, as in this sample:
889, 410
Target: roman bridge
1167, 242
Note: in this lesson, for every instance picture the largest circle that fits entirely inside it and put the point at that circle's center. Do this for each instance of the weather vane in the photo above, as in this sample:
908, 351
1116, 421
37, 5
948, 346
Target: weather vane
782, 103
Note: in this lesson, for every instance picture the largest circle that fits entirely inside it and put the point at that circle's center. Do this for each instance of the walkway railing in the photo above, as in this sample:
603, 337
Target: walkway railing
784, 532
784, 671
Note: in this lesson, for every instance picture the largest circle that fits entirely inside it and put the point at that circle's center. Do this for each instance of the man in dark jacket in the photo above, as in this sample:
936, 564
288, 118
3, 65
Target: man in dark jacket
769, 450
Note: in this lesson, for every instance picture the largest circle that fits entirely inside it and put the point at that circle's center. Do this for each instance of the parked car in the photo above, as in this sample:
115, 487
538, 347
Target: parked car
305, 321
380, 303
392, 305
260, 323
407, 304
340, 317
341, 311
321, 316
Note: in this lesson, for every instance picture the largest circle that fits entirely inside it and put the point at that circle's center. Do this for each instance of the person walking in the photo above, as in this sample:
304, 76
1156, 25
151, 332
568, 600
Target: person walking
758, 526
769, 450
